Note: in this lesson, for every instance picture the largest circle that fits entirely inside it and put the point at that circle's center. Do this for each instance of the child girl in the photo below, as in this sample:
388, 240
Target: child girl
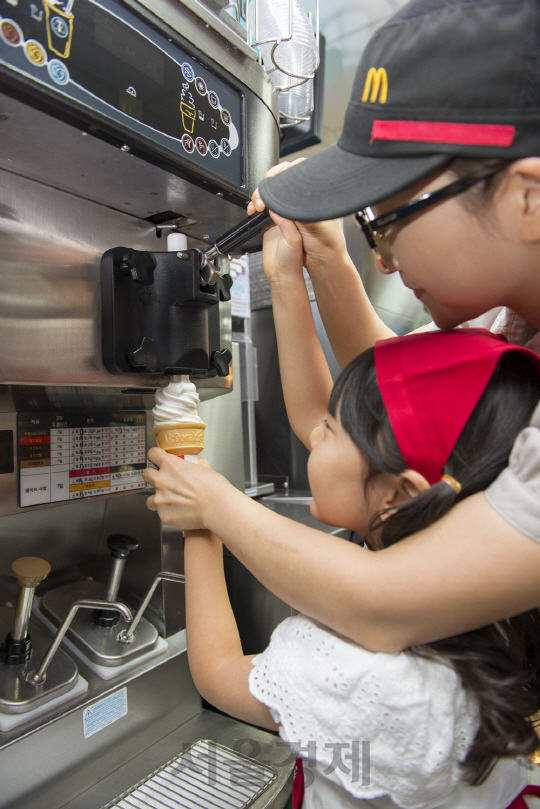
413, 426
441, 150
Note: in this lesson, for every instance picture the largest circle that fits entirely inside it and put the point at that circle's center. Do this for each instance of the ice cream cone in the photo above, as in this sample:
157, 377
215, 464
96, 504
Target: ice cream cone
184, 438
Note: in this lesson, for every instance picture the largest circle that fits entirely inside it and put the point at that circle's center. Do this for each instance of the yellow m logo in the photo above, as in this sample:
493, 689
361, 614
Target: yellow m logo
376, 80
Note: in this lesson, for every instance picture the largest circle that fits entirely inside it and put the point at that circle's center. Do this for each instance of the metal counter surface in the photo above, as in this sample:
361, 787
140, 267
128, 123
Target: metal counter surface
164, 716
253, 742
295, 505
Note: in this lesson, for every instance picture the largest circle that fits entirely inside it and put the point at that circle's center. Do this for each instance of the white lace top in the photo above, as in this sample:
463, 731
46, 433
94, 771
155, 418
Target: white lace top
392, 727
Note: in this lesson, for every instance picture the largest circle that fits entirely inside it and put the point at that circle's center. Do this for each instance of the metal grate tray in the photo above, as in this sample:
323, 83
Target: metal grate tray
206, 776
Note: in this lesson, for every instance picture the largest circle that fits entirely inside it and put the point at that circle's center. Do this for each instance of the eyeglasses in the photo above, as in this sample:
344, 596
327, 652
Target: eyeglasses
372, 224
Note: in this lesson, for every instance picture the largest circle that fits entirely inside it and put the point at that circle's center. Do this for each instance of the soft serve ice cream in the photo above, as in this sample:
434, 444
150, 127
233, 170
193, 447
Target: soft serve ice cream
177, 425
177, 403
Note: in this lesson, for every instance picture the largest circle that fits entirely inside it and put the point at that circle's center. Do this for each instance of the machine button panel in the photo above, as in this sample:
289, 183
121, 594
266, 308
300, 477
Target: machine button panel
72, 455
99, 56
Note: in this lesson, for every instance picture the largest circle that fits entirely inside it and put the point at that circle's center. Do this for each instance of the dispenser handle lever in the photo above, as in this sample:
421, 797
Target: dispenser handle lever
128, 636
239, 234
38, 677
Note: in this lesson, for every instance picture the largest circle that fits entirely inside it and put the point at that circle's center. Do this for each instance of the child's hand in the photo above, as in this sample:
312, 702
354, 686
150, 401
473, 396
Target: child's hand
183, 489
317, 246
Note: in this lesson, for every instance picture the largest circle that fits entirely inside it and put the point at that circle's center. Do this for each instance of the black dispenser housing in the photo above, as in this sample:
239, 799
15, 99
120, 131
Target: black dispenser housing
158, 316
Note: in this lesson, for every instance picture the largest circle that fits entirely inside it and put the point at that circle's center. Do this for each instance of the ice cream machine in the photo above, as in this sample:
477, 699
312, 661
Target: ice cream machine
132, 136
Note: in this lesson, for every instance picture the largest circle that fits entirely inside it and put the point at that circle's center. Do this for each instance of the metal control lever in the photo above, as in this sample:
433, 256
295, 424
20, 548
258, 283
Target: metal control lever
38, 677
29, 572
120, 546
128, 636
235, 237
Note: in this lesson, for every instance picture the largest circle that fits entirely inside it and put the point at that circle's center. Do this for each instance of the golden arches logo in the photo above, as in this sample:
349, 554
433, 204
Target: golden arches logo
376, 80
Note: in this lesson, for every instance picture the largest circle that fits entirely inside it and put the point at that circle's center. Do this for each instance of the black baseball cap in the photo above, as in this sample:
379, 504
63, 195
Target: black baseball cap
441, 79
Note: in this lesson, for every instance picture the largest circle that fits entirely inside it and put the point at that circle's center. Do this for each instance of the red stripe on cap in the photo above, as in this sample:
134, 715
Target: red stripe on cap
440, 132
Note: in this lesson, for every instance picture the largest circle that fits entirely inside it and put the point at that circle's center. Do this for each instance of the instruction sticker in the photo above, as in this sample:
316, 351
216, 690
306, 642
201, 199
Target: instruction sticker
105, 712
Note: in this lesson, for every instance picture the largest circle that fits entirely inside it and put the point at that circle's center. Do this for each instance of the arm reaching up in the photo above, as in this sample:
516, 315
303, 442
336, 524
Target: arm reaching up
305, 376
219, 668
351, 323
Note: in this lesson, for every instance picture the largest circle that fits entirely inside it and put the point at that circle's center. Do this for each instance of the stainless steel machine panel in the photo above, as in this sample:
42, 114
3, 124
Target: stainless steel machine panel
81, 174
52, 243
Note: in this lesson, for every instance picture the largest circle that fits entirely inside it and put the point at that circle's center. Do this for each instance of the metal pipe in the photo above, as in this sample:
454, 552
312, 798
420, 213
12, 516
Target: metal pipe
115, 577
29, 572
39, 676
22, 613
127, 636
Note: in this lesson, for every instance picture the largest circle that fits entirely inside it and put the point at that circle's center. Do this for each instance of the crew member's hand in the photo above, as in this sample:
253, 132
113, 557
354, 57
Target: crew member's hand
183, 489
317, 246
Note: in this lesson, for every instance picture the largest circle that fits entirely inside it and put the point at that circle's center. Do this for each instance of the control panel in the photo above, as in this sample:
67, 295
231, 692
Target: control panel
99, 58
71, 455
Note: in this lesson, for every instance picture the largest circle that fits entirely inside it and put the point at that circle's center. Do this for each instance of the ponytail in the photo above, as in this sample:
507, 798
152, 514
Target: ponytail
413, 515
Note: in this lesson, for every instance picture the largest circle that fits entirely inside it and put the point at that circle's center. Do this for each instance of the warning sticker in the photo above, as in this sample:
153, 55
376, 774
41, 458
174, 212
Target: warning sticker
104, 713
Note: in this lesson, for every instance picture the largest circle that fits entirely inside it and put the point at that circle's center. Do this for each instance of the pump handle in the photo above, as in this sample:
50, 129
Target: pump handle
30, 570
121, 545
241, 233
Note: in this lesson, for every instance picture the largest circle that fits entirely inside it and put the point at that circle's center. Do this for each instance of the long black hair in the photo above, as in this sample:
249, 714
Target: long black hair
499, 663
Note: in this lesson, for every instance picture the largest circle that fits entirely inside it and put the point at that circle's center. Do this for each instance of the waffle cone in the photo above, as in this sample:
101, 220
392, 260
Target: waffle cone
184, 438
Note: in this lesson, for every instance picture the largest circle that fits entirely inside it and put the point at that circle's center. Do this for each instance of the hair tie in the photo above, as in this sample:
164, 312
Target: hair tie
455, 484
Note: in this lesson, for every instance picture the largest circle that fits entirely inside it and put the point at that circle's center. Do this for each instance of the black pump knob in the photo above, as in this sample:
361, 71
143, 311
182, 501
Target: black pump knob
144, 356
225, 285
139, 264
220, 360
105, 618
121, 545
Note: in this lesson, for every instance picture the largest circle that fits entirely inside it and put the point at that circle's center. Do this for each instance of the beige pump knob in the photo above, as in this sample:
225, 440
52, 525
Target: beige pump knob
30, 570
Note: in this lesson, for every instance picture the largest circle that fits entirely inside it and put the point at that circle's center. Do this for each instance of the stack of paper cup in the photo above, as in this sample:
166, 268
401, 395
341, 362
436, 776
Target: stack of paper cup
286, 41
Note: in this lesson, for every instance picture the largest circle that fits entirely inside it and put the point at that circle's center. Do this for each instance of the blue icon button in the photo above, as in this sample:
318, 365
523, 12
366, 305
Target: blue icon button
60, 27
58, 71
188, 72
213, 148
225, 146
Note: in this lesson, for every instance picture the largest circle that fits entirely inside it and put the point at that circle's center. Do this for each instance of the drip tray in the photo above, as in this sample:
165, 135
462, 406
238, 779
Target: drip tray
99, 644
206, 776
18, 695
